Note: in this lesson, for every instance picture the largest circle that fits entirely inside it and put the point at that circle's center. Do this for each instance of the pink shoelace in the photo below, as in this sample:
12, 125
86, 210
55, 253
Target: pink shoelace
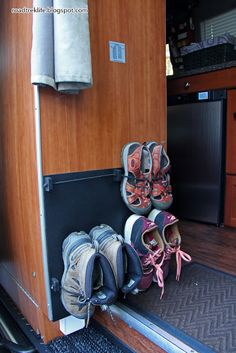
152, 260
179, 256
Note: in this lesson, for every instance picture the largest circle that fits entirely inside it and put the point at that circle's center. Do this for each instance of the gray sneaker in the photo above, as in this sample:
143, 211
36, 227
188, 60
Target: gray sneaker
124, 260
87, 279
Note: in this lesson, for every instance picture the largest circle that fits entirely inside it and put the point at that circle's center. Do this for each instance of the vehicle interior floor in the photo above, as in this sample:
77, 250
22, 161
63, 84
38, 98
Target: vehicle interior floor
199, 309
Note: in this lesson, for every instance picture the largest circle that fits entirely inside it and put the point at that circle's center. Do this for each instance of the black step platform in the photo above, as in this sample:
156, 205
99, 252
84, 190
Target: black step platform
16, 335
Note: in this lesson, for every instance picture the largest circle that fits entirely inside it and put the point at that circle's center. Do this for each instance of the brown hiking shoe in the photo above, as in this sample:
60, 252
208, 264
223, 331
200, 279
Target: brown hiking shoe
87, 279
124, 260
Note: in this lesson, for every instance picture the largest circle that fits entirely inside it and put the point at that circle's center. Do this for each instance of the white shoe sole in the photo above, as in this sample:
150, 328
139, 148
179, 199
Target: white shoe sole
152, 215
129, 226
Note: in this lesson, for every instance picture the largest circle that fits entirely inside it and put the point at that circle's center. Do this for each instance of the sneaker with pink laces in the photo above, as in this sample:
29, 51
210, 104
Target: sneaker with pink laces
144, 237
168, 229
161, 194
135, 186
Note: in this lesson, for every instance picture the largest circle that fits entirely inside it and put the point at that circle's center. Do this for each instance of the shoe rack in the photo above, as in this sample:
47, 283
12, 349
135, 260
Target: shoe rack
75, 202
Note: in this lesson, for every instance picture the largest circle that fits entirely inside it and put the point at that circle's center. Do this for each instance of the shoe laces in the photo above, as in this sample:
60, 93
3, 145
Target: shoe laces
118, 237
82, 300
88, 314
152, 259
179, 254
142, 184
108, 310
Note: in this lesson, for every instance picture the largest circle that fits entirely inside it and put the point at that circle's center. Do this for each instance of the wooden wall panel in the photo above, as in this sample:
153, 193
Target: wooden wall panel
231, 133
147, 67
20, 230
127, 101
30, 310
230, 201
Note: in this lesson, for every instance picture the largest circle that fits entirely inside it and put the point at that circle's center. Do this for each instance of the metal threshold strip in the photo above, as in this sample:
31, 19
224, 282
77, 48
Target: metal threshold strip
153, 332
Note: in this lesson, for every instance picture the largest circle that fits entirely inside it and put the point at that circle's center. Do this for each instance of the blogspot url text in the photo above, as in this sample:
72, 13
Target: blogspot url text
48, 10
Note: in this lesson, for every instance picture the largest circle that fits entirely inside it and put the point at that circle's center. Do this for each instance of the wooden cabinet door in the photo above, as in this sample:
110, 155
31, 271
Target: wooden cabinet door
231, 133
202, 82
230, 201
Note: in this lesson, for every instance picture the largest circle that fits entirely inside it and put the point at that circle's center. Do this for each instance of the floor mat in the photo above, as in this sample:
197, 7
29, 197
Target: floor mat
200, 309
90, 340
94, 339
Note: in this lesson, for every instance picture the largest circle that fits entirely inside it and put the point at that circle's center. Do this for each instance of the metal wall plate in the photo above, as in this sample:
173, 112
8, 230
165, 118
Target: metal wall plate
117, 52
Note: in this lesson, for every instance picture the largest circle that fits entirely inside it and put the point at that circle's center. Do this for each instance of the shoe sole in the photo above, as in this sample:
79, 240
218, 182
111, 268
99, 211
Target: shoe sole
127, 234
150, 143
159, 205
129, 226
124, 158
152, 215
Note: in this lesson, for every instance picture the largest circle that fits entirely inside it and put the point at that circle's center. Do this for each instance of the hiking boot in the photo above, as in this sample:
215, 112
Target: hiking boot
135, 186
87, 279
161, 194
125, 263
144, 237
77, 250
168, 228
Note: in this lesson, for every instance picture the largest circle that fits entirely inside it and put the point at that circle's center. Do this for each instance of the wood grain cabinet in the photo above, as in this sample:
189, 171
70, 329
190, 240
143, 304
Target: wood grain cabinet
230, 201
230, 190
231, 133
203, 82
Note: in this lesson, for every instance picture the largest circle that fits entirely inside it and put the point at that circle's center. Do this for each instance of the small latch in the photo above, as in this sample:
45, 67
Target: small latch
117, 175
48, 184
55, 285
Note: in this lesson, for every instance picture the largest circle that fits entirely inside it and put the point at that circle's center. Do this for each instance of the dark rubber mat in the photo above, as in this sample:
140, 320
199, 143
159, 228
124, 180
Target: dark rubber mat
94, 339
90, 340
200, 309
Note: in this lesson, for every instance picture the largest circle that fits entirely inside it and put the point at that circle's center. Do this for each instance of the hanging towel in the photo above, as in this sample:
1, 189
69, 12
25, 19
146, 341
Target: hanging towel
72, 47
42, 54
61, 55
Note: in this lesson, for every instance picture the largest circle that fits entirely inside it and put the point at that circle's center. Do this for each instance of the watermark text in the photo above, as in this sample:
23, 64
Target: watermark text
49, 10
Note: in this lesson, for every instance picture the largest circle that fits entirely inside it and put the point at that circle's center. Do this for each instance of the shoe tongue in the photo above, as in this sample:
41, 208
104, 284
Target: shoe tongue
145, 161
172, 237
150, 241
101, 295
131, 282
97, 277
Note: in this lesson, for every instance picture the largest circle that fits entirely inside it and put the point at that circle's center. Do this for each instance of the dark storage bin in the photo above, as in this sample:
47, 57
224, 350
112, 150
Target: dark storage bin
215, 55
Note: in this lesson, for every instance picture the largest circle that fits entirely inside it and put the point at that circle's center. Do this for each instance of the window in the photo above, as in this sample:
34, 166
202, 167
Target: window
219, 25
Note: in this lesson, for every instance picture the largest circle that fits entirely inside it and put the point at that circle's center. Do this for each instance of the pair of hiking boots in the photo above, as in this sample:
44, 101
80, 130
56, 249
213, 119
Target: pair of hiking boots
96, 266
146, 182
155, 239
